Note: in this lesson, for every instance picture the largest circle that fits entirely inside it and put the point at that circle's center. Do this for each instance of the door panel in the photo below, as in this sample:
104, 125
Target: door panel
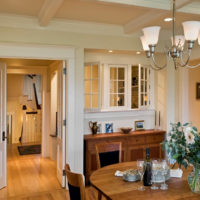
61, 125
3, 141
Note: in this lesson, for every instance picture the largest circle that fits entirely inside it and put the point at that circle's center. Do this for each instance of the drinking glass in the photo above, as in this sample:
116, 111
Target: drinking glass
141, 169
164, 169
154, 173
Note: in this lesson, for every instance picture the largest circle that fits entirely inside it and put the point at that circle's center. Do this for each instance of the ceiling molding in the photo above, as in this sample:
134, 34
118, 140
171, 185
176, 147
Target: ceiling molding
24, 22
48, 11
140, 22
185, 6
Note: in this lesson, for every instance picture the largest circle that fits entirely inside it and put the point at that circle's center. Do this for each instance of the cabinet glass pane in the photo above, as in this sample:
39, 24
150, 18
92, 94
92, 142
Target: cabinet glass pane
95, 71
145, 99
146, 73
87, 101
113, 73
120, 100
142, 99
142, 73
121, 87
94, 101
134, 103
94, 86
87, 86
134, 86
121, 73
113, 86
145, 86
142, 86
88, 72
113, 100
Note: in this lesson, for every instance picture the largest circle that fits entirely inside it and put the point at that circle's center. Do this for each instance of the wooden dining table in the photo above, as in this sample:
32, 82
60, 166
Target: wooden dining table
115, 188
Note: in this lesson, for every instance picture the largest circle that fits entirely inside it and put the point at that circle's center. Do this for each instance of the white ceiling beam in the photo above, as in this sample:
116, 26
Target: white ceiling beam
141, 21
182, 3
48, 11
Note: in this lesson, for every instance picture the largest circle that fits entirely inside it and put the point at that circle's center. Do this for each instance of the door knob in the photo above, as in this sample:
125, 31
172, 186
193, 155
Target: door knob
4, 136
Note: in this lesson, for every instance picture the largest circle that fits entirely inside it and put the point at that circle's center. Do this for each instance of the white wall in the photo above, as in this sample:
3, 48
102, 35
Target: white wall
194, 104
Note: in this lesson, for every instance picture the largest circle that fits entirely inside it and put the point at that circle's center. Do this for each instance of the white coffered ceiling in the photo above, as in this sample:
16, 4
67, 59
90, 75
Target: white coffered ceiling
131, 15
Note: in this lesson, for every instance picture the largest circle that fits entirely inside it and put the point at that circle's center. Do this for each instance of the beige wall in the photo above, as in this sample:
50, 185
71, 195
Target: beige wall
194, 104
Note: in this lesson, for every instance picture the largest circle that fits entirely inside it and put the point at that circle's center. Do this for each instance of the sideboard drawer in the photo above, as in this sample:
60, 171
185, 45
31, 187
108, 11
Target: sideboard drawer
154, 138
136, 140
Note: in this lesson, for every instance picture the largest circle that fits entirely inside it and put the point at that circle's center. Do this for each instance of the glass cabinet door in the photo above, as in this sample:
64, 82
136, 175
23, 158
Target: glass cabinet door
144, 89
134, 87
117, 86
91, 80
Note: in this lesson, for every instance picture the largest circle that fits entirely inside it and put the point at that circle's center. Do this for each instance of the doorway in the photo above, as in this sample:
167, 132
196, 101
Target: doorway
48, 52
28, 86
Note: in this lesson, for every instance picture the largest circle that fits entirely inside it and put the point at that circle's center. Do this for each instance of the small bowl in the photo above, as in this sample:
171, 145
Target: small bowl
131, 175
126, 129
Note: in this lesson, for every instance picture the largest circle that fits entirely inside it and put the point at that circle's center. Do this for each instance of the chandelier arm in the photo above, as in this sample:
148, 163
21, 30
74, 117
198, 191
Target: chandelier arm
154, 68
184, 64
155, 64
192, 67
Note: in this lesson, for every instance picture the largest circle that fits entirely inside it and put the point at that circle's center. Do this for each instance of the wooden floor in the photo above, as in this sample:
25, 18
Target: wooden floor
31, 178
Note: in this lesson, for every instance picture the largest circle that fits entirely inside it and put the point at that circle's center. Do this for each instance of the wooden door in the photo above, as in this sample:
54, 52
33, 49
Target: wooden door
3, 132
61, 137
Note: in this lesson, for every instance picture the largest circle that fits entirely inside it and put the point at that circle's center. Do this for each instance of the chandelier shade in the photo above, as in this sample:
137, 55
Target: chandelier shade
145, 45
151, 34
191, 30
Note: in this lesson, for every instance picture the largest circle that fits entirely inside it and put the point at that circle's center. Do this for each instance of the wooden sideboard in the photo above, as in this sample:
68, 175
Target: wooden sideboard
133, 146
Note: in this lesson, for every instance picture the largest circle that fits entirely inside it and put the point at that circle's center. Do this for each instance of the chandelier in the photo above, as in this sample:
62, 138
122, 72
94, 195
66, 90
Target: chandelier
176, 52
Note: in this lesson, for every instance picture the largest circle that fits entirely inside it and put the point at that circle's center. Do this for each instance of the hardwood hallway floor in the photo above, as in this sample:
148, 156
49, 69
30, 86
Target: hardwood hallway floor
31, 178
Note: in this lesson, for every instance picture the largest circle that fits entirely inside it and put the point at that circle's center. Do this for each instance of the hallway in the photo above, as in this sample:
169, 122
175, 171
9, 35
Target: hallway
31, 178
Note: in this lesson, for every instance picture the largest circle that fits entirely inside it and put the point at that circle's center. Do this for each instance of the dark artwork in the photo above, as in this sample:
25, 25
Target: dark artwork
198, 91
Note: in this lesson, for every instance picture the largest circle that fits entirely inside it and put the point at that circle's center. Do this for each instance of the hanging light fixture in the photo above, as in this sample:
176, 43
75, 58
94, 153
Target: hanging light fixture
191, 33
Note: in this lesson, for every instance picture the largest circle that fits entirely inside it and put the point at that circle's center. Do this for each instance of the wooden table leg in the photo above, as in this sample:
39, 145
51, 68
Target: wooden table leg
99, 195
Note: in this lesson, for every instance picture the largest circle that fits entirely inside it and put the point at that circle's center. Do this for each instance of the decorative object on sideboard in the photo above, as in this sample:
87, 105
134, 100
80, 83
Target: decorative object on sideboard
126, 130
109, 127
183, 146
99, 128
139, 125
93, 127
198, 91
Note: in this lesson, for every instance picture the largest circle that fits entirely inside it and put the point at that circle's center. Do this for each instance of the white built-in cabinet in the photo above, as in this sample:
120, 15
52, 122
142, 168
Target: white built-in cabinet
114, 87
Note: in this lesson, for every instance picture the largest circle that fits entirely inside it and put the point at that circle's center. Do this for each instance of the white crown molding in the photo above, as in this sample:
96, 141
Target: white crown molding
29, 22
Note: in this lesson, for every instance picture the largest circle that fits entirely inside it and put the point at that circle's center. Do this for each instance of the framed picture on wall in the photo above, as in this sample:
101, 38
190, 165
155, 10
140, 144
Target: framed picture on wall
139, 125
198, 91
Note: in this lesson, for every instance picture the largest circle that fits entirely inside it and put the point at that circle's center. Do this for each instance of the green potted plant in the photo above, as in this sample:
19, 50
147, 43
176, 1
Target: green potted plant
183, 145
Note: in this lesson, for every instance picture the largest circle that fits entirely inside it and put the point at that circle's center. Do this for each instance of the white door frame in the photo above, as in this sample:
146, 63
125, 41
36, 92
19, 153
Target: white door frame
50, 52
3, 126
